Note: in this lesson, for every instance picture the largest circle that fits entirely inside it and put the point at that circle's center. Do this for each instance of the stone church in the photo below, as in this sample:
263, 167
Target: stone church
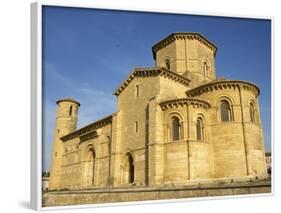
175, 123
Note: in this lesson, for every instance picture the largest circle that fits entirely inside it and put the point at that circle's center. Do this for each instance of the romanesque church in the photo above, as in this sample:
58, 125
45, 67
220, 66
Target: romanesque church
174, 124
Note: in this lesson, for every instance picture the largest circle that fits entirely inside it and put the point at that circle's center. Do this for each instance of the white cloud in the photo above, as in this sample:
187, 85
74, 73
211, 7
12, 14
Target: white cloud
95, 104
52, 72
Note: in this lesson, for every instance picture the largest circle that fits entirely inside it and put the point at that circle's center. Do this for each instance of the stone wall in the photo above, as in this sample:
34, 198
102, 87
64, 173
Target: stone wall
133, 121
142, 121
216, 188
238, 147
78, 168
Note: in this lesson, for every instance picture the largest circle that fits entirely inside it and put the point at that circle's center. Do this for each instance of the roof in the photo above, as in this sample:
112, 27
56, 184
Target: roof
219, 84
150, 72
69, 99
88, 128
183, 35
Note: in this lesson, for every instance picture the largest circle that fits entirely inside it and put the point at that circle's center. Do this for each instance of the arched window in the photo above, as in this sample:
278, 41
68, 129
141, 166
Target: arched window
199, 129
206, 69
167, 63
225, 111
252, 112
131, 168
176, 128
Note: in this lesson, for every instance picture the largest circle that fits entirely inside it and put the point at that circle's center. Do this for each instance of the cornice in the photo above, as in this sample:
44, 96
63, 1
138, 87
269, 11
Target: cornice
183, 102
150, 72
68, 100
223, 84
86, 129
88, 136
183, 35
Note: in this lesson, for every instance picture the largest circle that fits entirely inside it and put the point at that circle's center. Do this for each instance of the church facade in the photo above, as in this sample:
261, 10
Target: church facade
175, 123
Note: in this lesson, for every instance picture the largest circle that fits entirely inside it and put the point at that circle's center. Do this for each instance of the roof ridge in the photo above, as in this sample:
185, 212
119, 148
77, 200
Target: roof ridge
144, 72
173, 36
218, 81
87, 128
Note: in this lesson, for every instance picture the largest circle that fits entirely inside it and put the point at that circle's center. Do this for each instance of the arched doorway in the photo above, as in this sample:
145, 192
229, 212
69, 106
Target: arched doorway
89, 167
131, 169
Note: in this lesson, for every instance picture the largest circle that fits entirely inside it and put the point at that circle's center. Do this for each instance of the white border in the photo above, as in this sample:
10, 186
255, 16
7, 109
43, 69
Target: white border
36, 97
272, 109
36, 106
125, 7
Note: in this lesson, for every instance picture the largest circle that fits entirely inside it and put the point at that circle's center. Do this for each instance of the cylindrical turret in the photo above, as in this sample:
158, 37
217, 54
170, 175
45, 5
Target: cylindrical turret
66, 122
66, 118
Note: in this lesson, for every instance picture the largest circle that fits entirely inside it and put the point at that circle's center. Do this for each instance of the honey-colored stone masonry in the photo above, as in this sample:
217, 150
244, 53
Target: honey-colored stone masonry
175, 124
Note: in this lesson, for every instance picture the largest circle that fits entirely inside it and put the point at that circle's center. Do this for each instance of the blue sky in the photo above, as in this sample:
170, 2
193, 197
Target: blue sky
87, 53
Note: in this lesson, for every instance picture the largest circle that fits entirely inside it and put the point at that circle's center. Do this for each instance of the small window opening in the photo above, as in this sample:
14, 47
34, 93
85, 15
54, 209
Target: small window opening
137, 91
167, 63
136, 127
70, 111
206, 69
252, 112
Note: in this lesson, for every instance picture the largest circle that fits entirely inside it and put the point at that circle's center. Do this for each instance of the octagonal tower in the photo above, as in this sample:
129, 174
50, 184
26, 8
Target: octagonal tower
187, 54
